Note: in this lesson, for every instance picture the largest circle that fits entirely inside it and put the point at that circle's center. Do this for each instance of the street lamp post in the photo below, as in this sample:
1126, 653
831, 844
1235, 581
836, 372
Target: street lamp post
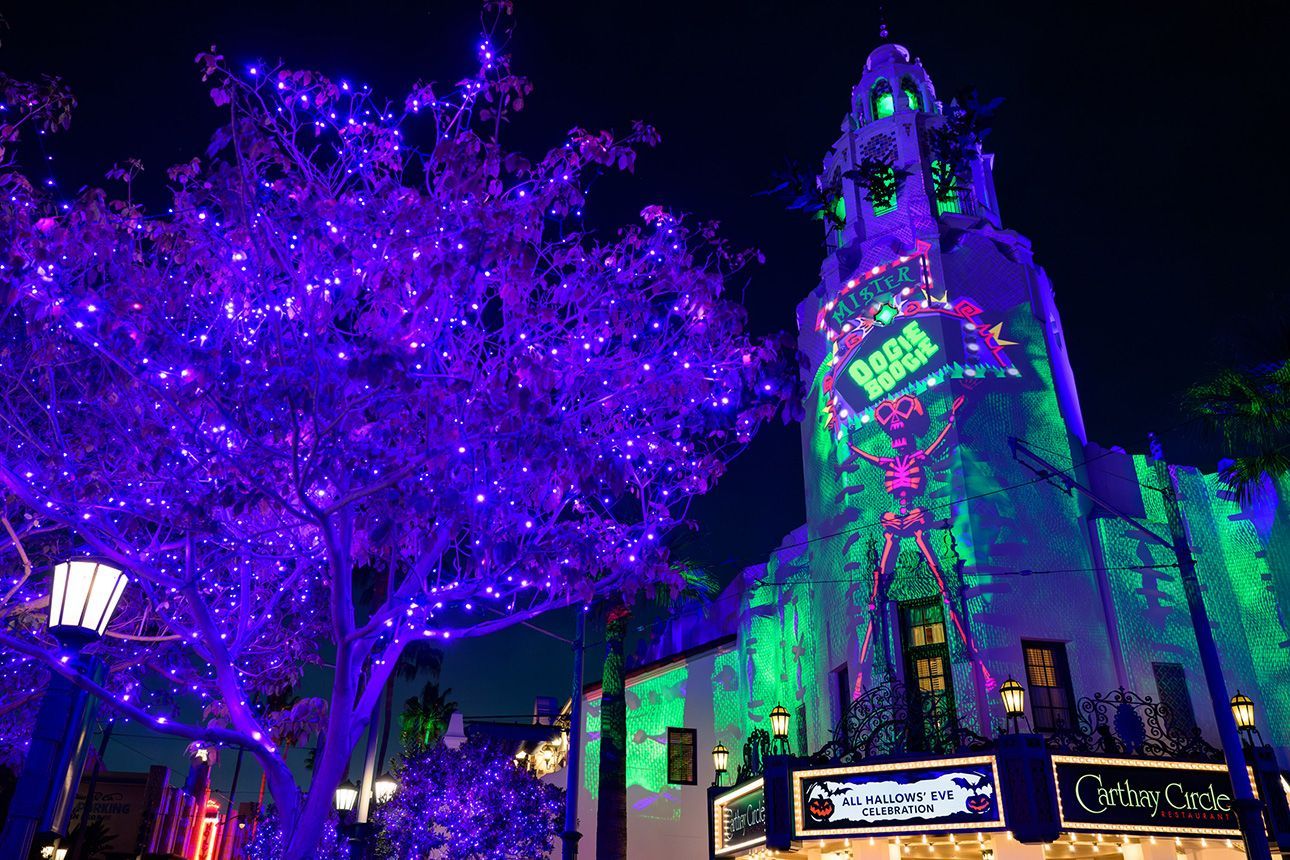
346, 796
1243, 714
572, 766
779, 728
82, 599
720, 760
1014, 701
383, 788
1248, 808
349, 798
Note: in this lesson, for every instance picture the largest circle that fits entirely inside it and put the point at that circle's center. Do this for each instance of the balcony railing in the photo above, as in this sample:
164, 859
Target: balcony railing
1124, 723
892, 719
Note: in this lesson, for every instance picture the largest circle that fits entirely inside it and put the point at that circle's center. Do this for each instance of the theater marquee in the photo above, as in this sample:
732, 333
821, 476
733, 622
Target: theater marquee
739, 819
1138, 796
902, 797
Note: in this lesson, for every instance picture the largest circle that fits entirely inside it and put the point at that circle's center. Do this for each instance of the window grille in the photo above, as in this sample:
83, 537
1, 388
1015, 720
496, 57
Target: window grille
682, 761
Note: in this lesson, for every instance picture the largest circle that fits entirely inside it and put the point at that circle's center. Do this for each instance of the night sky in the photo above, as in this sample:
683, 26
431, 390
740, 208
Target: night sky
1136, 149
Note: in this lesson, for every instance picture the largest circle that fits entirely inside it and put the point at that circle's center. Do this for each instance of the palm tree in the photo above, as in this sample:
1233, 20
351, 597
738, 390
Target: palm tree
93, 839
611, 805
425, 718
1249, 408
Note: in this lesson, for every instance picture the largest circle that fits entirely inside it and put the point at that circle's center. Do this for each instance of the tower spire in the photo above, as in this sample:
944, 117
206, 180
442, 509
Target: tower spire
882, 22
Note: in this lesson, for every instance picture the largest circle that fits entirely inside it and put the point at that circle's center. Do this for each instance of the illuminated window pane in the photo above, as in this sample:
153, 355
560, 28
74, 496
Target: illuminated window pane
954, 199
682, 762
883, 100
911, 94
931, 674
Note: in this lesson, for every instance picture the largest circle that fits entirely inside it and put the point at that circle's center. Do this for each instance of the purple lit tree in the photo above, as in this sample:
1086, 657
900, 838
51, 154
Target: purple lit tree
270, 840
472, 803
364, 381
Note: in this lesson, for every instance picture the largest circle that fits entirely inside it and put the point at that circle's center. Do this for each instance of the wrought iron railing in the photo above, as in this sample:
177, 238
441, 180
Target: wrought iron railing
756, 749
1125, 723
892, 719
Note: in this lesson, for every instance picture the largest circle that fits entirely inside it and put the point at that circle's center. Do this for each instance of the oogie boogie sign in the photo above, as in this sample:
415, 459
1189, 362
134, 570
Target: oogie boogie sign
952, 794
892, 332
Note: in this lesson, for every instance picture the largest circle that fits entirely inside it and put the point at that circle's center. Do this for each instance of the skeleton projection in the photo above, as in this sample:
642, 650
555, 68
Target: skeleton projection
905, 475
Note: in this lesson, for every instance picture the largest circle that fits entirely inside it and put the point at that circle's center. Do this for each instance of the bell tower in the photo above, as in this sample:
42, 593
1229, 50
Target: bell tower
932, 341
884, 168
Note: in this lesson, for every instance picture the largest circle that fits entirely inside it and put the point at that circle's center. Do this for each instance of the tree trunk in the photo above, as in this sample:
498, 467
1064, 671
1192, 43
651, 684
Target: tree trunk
301, 839
302, 826
388, 719
302, 822
611, 810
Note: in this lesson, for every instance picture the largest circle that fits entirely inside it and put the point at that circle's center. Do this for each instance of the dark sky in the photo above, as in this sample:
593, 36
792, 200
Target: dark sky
1136, 148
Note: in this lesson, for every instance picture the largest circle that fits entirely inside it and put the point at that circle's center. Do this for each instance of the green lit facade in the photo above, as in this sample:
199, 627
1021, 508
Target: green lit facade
932, 555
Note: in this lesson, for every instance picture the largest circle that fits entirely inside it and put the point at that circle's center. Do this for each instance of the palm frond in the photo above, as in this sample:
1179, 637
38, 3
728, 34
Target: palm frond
693, 584
1249, 477
1249, 407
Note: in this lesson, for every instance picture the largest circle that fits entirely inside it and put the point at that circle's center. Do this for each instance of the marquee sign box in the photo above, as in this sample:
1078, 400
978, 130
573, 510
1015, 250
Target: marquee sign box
1137, 796
895, 798
739, 819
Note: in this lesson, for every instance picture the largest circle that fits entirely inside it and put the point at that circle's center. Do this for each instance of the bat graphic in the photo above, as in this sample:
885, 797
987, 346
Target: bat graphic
972, 786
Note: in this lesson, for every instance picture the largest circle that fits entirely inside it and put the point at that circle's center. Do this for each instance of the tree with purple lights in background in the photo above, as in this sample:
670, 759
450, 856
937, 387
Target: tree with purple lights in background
365, 381
470, 803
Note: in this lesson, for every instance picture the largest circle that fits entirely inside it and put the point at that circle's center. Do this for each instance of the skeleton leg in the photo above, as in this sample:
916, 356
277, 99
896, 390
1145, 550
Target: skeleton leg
920, 537
881, 579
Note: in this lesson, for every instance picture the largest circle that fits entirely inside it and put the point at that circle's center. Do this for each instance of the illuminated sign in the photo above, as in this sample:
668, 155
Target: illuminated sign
901, 277
739, 819
892, 333
870, 377
1132, 795
890, 799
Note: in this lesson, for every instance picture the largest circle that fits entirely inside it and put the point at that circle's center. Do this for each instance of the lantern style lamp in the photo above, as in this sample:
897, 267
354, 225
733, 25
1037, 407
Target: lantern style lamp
720, 760
1243, 713
779, 726
346, 796
82, 600
83, 596
383, 787
1014, 701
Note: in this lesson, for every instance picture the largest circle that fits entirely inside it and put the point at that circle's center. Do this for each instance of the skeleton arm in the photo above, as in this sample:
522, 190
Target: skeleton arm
872, 458
958, 401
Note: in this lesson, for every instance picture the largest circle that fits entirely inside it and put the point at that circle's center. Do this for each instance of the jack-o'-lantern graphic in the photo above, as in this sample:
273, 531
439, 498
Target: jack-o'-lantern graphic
981, 788
820, 805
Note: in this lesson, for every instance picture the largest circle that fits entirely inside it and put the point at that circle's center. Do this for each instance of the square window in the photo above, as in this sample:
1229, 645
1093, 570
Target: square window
1171, 682
682, 761
1052, 703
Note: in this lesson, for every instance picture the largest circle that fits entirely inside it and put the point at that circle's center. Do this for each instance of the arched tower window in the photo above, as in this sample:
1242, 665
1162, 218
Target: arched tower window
911, 93
838, 209
882, 102
834, 213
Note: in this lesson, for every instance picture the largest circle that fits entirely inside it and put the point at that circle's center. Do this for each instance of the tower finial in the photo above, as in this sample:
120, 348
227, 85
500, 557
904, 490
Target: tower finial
882, 22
